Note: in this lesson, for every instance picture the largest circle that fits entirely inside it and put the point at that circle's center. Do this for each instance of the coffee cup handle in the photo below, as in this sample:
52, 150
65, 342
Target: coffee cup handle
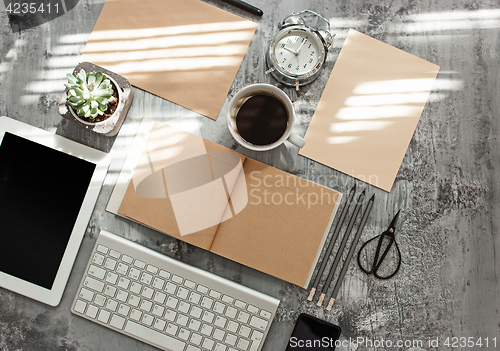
296, 140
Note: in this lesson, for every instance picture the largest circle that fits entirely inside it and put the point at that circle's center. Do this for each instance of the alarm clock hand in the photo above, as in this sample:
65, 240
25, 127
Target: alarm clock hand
287, 49
301, 45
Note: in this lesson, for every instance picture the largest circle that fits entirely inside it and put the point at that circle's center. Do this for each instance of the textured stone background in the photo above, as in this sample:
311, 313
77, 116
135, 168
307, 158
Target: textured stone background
447, 187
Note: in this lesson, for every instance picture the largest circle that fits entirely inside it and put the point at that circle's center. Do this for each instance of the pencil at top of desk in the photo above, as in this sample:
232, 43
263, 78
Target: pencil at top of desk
244, 6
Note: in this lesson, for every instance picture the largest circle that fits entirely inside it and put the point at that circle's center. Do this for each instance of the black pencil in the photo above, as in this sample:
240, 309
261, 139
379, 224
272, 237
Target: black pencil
332, 243
354, 216
244, 6
349, 255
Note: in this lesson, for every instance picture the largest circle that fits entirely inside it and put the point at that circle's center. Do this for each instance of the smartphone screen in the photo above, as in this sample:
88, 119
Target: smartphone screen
313, 334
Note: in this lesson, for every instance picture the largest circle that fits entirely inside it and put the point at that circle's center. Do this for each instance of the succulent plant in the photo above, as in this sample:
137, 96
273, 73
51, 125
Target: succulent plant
89, 94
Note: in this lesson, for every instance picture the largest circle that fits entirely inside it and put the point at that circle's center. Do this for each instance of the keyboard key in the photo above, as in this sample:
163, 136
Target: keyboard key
147, 292
231, 312
208, 344
193, 348
93, 284
164, 274
172, 302
122, 268
208, 317
232, 326
240, 304
160, 297
172, 329
231, 339
219, 308
245, 331
243, 344
219, 334
194, 325
207, 303
139, 264
111, 278
128, 259
136, 287
135, 314
194, 298
170, 288
134, 273
117, 321
227, 299
265, 314
158, 283
220, 321
215, 294
183, 307
196, 339
158, 310
189, 284
177, 279
134, 300
99, 300
111, 305
110, 264
196, 312
243, 317
170, 315
182, 293
220, 347
86, 294
202, 289
146, 305
110, 291
92, 311
256, 340
114, 253
152, 269
104, 316
258, 323
122, 295
146, 278
123, 310
184, 334
80, 306
98, 259
182, 320
123, 283
206, 329
147, 319
252, 309
154, 337
159, 324
102, 249
97, 272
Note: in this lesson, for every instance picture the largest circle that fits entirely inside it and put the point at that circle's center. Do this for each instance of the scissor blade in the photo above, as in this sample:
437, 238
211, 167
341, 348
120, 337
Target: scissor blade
394, 221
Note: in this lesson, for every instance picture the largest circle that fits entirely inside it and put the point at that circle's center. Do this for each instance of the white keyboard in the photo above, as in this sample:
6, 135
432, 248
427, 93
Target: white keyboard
169, 304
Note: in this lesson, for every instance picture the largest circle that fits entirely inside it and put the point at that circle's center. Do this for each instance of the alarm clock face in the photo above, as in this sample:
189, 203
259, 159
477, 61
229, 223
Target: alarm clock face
298, 52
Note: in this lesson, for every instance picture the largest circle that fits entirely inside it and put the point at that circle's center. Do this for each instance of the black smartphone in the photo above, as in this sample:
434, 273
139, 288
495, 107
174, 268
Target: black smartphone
313, 334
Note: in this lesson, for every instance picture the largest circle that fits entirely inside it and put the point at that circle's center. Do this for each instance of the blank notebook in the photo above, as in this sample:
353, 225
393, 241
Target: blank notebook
217, 199
369, 110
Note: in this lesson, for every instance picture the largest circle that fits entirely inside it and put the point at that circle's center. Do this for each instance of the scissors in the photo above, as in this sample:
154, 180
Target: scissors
378, 259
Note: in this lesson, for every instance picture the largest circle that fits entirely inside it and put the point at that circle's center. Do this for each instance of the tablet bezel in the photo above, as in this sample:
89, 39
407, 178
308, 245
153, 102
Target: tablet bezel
101, 160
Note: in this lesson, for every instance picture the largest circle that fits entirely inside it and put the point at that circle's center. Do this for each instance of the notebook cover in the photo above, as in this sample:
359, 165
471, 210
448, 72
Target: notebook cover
369, 110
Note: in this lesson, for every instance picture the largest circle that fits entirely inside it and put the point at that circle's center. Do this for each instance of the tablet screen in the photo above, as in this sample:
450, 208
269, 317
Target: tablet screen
41, 193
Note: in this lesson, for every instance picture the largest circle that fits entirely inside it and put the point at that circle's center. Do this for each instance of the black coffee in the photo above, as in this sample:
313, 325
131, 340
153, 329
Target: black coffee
262, 120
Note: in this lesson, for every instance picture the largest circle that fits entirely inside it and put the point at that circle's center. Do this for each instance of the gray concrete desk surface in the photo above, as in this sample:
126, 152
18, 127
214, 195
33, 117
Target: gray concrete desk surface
448, 186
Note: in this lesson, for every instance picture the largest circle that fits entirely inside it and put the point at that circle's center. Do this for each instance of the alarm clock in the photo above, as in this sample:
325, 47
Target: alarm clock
297, 52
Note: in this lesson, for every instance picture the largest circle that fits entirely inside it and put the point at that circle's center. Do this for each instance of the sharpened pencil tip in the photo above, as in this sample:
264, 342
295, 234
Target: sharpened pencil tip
372, 198
353, 188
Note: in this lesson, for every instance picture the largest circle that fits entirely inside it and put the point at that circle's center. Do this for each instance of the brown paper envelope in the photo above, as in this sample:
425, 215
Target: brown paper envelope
369, 110
185, 51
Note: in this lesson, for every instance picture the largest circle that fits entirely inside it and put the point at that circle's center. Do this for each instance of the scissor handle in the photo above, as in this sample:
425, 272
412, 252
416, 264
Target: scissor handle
376, 261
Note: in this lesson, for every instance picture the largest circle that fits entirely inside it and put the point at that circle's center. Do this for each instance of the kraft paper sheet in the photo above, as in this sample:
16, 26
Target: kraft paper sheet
215, 198
185, 51
369, 110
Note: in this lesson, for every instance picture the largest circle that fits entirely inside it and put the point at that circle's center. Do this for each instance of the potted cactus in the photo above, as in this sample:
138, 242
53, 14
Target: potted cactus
96, 98
92, 96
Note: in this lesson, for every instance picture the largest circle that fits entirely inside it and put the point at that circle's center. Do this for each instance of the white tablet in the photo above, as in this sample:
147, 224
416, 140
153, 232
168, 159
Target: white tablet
48, 188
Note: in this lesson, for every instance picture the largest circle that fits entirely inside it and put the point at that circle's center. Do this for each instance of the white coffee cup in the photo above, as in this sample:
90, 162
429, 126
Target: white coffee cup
263, 89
